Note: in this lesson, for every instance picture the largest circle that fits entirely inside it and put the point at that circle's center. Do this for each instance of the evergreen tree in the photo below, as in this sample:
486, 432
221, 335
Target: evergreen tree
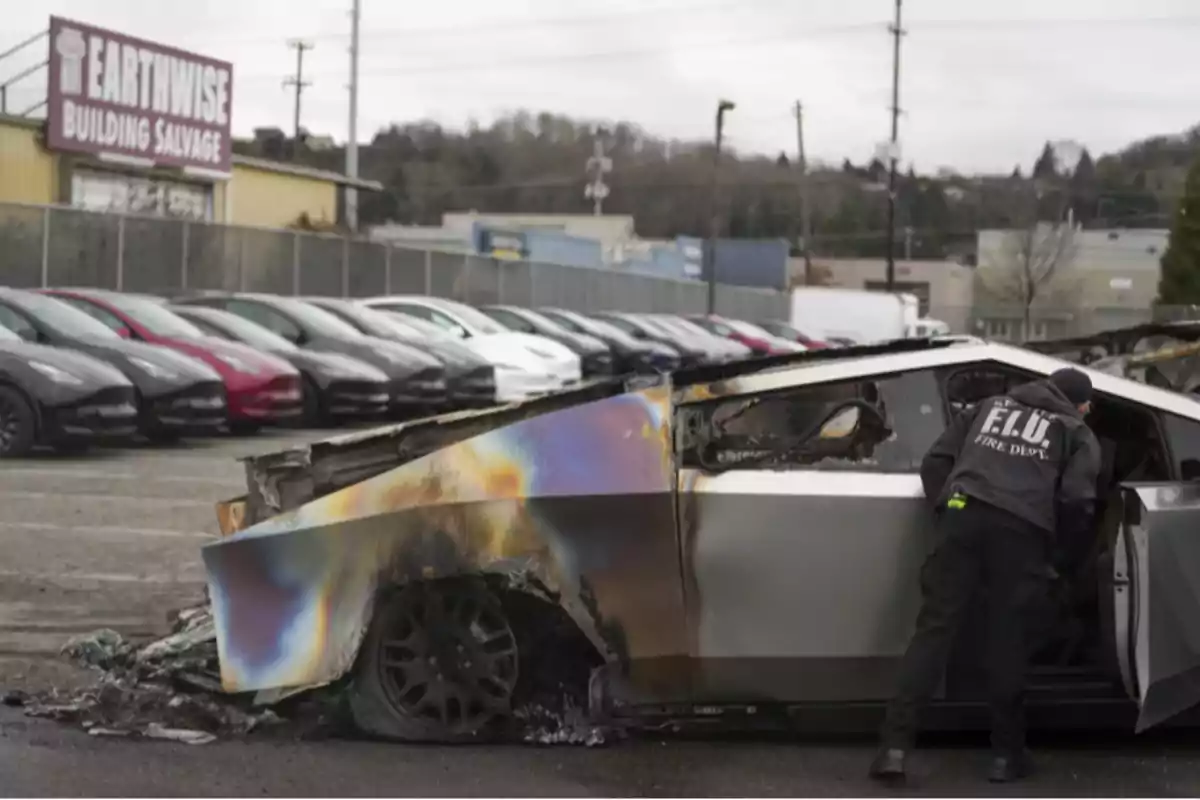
1180, 280
1046, 167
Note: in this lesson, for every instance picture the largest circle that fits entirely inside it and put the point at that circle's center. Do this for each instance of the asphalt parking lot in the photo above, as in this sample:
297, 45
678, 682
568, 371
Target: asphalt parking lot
108, 539
111, 539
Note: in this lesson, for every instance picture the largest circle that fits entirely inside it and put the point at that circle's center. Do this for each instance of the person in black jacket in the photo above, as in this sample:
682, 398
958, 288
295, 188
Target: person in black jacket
1005, 478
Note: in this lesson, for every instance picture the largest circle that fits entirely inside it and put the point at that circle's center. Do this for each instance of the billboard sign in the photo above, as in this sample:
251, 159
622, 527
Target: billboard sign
114, 95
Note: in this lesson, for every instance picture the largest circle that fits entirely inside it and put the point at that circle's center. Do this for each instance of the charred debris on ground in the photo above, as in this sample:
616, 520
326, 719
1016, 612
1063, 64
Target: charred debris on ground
170, 689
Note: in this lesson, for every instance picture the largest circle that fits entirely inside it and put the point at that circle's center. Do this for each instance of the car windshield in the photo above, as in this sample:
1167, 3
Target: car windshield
8, 336
657, 326
415, 326
476, 319
153, 317
542, 320
64, 318
318, 319
749, 329
687, 326
715, 326
369, 321
241, 329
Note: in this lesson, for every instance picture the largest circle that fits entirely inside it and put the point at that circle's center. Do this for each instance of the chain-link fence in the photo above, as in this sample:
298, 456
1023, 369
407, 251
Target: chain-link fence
55, 246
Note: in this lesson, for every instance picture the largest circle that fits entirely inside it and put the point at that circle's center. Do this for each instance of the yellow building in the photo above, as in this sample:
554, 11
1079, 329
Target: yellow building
257, 192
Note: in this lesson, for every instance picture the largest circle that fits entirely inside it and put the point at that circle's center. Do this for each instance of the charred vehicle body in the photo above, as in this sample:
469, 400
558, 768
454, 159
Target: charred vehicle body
734, 544
1166, 355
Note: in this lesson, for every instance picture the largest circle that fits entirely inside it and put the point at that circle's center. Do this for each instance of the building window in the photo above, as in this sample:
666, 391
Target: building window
127, 194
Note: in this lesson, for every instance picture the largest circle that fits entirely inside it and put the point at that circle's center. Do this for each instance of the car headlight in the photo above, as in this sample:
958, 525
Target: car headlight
153, 370
56, 374
238, 364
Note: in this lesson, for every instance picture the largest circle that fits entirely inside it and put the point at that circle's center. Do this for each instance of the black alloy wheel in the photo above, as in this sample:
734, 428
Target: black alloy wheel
18, 424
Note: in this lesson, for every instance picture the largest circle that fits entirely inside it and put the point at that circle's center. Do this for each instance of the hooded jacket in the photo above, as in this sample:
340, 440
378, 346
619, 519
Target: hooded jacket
1029, 453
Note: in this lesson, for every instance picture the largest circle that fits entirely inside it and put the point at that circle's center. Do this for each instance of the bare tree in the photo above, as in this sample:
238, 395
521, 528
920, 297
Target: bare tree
1031, 261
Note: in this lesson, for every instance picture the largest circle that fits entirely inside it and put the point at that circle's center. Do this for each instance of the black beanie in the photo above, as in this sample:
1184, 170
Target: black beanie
1076, 386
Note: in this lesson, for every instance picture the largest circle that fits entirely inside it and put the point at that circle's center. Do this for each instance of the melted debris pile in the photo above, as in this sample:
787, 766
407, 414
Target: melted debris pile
167, 689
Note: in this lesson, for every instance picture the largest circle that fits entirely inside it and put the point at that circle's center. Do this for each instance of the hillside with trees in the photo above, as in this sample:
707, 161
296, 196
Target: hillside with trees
531, 162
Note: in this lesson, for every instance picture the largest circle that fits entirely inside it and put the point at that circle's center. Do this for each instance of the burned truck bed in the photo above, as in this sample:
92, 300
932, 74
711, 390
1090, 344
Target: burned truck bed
1166, 355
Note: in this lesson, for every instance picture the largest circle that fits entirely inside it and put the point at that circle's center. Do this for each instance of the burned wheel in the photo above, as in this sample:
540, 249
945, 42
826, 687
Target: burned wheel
439, 664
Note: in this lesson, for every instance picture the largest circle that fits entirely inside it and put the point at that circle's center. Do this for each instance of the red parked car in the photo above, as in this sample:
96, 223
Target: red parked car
762, 342
261, 389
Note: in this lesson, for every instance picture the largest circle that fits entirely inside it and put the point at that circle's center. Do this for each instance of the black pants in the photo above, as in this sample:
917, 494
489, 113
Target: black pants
980, 547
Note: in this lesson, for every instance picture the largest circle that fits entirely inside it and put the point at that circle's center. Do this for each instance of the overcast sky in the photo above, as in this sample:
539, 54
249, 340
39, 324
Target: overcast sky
984, 84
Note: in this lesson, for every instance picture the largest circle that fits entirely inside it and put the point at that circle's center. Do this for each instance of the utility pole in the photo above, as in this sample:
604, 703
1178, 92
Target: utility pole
352, 127
598, 166
897, 32
714, 230
297, 81
805, 195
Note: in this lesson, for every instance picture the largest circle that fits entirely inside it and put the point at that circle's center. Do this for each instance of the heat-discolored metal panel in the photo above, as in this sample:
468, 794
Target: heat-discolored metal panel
804, 584
1161, 542
579, 500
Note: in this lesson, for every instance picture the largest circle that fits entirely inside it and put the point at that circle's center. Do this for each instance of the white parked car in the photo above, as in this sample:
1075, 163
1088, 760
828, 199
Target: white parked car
526, 365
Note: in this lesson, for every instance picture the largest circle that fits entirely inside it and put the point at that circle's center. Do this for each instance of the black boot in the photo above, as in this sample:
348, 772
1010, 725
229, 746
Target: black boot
888, 766
1007, 768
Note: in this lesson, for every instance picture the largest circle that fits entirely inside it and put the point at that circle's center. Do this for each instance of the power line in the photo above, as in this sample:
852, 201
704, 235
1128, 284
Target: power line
298, 82
530, 23
652, 52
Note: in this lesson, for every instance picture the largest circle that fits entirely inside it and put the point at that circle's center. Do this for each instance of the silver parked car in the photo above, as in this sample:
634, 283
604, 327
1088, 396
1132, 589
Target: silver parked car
712, 545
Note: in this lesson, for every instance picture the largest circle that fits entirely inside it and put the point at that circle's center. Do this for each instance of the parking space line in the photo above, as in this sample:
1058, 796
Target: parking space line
120, 498
107, 530
59, 578
113, 475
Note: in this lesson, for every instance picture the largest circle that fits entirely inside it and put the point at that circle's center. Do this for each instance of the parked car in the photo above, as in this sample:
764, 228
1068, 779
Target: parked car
59, 398
796, 502
335, 386
728, 349
526, 366
176, 394
691, 352
417, 380
630, 355
260, 389
595, 355
470, 380
760, 341
785, 331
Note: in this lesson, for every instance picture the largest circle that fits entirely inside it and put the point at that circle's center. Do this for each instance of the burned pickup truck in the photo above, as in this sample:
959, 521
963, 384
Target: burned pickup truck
731, 543
1166, 355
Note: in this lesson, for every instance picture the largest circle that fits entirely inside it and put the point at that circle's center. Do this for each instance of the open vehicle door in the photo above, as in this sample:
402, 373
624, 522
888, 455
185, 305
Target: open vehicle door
1156, 590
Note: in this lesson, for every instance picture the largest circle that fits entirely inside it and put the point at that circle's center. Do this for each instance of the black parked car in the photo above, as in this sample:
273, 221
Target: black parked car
417, 380
470, 381
335, 386
630, 355
60, 398
691, 351
594, 354
176, 394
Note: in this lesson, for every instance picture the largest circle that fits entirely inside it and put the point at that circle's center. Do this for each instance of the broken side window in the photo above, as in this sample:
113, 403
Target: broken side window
884, 424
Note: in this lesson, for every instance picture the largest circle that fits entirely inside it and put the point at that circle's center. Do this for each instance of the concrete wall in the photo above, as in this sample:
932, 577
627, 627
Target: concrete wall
265, 199
28, 173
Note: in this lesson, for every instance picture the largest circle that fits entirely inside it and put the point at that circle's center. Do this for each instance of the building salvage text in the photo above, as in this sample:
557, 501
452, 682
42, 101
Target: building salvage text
162, 93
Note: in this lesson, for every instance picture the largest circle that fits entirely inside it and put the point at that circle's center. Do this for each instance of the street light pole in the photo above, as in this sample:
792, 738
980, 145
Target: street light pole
714, 230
